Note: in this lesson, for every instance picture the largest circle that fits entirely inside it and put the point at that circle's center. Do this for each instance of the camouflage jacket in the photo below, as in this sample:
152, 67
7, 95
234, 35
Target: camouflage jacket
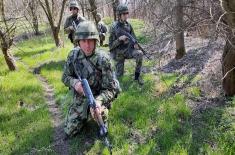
69, 22
114, 44
97, 69
101, 27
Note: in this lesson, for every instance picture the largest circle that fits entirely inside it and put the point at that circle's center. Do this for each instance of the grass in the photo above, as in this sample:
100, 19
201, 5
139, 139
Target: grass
22, 128
142, 120
214, 130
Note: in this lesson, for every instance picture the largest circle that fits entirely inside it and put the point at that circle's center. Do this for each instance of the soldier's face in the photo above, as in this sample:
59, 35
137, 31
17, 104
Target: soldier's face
74, 10
124, 16
98, 18
87, 46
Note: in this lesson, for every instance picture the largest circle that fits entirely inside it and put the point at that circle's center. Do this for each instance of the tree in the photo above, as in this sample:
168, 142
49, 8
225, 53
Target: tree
31, 14
54, 12
82, 3
228, 57
93, 10
115, 4
179, 36
7, 33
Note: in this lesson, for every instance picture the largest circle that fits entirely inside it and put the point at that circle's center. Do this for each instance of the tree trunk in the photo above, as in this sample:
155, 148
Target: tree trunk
56, 37
228, 57
9, 59
228, 63
93, 10
33, 11
115, 4
83, 6
7, 34
134, 9
179, 36
51, 12
35, 25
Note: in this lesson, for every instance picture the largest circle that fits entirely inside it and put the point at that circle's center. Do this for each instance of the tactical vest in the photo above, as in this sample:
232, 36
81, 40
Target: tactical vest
124, 26
77, 20
89, 68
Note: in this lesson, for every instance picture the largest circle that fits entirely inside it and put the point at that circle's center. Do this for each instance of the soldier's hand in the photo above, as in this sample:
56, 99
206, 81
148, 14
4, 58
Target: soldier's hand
98, 109
102, 34
123, 38
136, 46
78, 88
71, 28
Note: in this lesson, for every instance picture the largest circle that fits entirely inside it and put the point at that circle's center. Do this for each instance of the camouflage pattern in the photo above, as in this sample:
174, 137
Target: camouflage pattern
122, 8
121, 51
86, 30
74, 4
102, 29
97, 69
73, 20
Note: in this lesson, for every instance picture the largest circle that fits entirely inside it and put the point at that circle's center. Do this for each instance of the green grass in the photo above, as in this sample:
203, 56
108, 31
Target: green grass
143, 120
22, 128
214, 130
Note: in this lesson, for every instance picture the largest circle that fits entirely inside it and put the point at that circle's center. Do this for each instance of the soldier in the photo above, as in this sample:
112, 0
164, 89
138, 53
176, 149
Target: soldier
73, 20
102, 29
120, 47
85, 61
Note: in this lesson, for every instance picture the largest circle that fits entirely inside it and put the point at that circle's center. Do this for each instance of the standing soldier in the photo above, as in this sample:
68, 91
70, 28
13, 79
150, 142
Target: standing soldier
85, 61
120, 46
73, 20
102, 29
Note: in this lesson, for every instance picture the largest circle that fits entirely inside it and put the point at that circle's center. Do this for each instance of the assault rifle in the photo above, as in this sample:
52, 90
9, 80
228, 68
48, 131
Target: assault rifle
103, 131
132, 40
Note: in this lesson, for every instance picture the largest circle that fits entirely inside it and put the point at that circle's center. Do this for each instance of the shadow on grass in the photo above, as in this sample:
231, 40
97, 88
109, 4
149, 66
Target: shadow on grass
177, 129
141, 113
50, 66
211, 128
29, 130
84, 141
33, 52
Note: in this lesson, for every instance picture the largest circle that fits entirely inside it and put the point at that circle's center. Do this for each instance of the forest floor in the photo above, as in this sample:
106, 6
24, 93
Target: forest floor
181, 109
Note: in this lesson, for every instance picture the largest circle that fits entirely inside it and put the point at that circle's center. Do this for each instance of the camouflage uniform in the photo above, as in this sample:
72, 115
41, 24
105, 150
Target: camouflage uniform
97, 69
102, 29
72, 20
121, 51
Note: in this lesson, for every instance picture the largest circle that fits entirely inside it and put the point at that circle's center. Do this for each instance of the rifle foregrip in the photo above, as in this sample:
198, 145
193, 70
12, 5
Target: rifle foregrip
88, 92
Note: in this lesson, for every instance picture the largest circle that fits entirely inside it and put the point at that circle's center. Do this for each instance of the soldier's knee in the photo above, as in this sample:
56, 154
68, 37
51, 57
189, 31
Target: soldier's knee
104, 113
73, 127
140, 54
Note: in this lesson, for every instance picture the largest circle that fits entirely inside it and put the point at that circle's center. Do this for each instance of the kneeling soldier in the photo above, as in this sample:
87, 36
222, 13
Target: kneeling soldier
87, 62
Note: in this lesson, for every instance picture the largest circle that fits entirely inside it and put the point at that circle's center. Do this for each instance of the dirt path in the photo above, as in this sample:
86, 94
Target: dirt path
59, 145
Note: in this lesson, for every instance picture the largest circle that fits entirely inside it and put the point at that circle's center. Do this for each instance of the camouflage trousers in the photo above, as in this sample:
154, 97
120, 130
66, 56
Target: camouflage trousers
120, 57
78, 114
102, 39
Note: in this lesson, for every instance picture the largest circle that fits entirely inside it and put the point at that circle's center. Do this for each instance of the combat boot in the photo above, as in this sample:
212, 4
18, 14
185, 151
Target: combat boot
138, 78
